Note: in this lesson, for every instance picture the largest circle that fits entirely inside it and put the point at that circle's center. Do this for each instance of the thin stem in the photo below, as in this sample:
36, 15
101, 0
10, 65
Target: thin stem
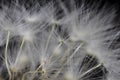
52, 55
23, 77
76, 51
53, 27
21, 46
6, 55
36, 71
97, 66
68, 60
86, 64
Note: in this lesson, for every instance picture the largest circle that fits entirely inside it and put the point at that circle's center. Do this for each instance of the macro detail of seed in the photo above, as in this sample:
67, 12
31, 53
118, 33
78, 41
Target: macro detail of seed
59, 40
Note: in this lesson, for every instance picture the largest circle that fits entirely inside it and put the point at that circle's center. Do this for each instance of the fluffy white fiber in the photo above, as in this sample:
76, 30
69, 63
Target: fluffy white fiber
58, 41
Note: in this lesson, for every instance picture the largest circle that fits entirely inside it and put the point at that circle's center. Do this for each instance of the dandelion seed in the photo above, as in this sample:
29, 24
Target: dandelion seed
59, 40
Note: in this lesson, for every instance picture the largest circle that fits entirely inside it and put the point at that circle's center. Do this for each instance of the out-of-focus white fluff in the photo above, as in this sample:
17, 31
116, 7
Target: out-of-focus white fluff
55, 44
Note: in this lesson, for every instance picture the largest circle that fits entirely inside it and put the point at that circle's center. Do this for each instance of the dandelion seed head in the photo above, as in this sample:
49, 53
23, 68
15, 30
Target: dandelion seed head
58, 40
32, 19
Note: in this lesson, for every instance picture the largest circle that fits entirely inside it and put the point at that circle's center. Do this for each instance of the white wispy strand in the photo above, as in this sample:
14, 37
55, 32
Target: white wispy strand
54, 42
92, 30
